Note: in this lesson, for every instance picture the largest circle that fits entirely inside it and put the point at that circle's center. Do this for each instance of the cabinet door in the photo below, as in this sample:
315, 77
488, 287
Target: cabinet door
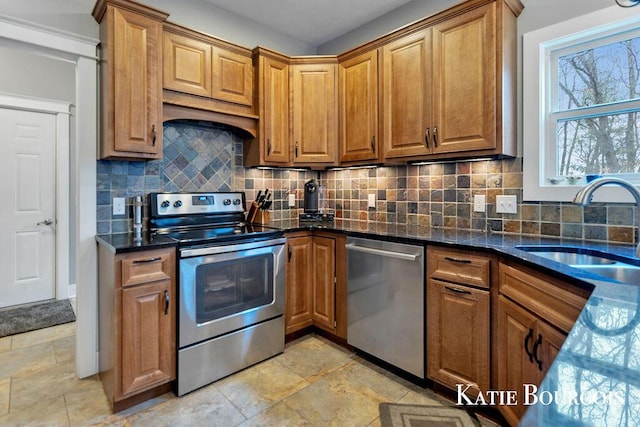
547, 347
406, 95
516, 338
358, 105
147, 330
299, 283
232, 75
324, 277
186, 65
274, 110
464, 82
458, 335
315, 121
136, 78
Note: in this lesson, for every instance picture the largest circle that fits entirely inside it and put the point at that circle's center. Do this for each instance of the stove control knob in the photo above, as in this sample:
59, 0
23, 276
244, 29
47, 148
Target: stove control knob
237, 202
177, 204
226, 202
165, 204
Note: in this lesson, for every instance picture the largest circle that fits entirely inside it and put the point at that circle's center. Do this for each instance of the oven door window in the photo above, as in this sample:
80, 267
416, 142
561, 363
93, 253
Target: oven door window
233, 286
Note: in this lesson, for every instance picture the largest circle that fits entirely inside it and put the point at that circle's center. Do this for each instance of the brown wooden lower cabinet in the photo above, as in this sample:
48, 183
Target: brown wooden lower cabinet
527, 347
458, 331
299, 278
535, 314
314, 293
136, 324
458, 319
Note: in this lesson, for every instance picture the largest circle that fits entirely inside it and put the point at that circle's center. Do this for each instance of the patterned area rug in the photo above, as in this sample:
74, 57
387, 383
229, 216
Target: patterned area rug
24, 318
397, 415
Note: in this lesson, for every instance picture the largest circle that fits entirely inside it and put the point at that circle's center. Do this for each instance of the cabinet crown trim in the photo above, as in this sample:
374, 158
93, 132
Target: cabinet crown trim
100, 9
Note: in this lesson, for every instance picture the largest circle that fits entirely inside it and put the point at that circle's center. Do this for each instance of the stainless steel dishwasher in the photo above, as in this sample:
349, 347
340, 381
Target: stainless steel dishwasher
385, 302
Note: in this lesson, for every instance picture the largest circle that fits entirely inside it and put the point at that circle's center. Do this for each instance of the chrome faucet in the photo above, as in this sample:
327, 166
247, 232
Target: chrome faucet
584, 196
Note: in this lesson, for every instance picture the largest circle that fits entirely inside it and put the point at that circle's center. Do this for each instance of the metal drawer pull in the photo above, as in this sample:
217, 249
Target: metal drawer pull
536, 346
458, 290
435, 136
153, 134
166, 302
382, 252
526, 344
268, 147
144, 261
460, 261
45, 222
426, 138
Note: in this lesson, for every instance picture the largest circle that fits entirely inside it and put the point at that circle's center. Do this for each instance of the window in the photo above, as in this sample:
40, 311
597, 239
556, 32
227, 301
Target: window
581, 104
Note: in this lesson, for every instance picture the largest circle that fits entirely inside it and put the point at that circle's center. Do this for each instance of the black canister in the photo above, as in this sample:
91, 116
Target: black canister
311, 193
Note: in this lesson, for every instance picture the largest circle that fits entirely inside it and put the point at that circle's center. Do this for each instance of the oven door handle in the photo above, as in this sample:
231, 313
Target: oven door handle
219, 249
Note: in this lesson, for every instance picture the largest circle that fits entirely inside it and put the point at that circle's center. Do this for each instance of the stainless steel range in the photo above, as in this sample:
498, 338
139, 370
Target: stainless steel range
230, 284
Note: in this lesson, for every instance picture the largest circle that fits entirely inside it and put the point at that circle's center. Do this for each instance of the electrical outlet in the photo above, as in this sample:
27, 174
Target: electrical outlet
372, 200
479, 203
292, 200
118, 206
506, 204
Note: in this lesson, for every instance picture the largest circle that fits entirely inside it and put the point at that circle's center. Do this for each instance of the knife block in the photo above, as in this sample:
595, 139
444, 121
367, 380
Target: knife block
262, 217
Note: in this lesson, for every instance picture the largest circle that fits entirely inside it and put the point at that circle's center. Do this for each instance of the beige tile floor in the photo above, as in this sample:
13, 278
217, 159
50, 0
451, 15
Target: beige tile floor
313, 383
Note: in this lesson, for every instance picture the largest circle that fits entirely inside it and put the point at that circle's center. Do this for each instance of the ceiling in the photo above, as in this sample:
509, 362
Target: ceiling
312, 21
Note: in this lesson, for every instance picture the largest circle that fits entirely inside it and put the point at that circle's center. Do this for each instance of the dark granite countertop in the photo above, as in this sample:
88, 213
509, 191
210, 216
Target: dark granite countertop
126, 242
595, 379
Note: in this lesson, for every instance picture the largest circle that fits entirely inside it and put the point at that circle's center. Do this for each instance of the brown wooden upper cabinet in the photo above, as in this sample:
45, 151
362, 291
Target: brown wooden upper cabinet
297, 103
271, 147
314, 101
448, 89
192, 64
358, 108
406, 96
130, 80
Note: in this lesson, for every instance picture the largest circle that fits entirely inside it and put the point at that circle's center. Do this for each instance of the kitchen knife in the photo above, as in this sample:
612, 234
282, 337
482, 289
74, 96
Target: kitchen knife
266, 202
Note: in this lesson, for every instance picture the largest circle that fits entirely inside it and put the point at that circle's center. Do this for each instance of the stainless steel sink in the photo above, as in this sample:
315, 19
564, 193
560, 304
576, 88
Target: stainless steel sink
608, 266
620, 272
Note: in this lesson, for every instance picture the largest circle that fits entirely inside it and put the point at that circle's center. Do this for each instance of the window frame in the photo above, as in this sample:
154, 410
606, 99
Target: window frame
539, 133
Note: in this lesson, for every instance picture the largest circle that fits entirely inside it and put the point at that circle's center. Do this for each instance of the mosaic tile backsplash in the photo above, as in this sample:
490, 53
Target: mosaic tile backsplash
200, 156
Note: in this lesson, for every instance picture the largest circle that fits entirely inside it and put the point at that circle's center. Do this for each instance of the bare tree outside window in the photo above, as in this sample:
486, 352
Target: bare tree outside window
597, 130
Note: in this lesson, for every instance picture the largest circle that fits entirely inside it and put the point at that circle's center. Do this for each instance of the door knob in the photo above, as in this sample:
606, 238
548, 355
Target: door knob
45, 222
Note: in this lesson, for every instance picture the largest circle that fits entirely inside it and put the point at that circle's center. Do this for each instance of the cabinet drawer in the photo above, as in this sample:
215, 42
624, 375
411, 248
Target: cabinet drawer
459, 267
147, 266
548, 298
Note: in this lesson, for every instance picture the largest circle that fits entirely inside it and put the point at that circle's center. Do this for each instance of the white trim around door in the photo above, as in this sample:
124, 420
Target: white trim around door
81, 160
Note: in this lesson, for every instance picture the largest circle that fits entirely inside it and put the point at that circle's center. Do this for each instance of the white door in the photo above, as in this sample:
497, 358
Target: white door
27, 211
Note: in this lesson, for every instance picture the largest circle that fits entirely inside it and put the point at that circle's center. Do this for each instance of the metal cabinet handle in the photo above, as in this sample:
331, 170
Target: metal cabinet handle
296, 148
268, 147
166, 302
144, 261
526, 344
536, 346
382, 252
373, 143
45, 222
459, 261
426, 138
153, 135
435, 136
458, 290
289, 255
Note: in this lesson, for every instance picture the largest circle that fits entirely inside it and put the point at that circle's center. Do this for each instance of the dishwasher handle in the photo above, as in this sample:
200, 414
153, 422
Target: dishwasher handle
382, 252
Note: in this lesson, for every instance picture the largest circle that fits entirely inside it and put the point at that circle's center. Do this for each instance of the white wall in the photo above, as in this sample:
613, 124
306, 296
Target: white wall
536, 14
30, 74
75, 16
208, 18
